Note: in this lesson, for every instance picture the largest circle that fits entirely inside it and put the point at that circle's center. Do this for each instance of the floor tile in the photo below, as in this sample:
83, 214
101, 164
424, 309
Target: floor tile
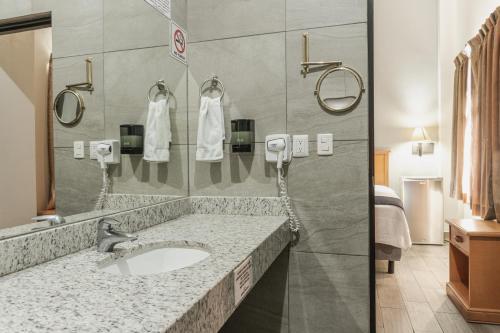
453, 323
390, 297
396, 321
439, 301
422, 318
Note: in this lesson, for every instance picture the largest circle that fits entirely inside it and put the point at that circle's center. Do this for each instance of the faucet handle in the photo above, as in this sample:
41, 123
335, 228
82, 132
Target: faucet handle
53, 219
107, 223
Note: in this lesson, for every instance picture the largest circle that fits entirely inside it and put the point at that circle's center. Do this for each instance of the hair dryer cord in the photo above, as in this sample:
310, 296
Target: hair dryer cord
292, 218
104, 190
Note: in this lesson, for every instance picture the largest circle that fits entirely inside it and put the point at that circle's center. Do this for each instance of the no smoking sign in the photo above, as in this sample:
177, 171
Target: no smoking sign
178, 43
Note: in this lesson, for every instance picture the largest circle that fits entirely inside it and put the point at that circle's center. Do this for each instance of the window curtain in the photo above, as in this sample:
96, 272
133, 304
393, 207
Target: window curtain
485, 154
459, 103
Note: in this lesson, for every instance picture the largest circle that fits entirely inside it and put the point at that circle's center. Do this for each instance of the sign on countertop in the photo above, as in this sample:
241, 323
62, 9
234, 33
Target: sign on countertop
243, 280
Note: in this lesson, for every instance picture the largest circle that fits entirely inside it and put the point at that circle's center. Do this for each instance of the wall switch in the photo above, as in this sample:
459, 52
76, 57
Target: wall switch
79, 149
92, 149
325, 144
300, 145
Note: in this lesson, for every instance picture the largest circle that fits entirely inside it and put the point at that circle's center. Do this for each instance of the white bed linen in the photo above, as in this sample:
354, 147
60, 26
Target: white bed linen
391, 227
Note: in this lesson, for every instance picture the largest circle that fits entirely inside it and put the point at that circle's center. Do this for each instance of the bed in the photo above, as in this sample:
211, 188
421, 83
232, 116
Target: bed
392, 234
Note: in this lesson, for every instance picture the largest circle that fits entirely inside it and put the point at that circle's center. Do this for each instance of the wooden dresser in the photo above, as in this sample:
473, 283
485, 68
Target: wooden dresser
474, 284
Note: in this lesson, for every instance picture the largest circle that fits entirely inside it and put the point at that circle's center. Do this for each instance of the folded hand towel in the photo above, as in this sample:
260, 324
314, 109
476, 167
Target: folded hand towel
158, 134
211, 134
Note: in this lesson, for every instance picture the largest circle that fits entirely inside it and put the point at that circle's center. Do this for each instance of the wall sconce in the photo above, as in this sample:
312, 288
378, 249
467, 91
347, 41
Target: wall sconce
422, 144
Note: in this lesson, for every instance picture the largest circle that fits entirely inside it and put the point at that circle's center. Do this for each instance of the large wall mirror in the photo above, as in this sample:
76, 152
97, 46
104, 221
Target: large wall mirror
48, 166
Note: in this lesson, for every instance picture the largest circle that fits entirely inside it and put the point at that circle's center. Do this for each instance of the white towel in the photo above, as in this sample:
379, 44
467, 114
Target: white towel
158, 134
211, 134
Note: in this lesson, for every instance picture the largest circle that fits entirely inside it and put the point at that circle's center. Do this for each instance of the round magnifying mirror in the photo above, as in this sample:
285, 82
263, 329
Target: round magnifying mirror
339, 89
68, 107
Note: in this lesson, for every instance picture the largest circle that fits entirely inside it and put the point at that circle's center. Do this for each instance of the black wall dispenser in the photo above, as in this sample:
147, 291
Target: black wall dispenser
132, 139
242, 135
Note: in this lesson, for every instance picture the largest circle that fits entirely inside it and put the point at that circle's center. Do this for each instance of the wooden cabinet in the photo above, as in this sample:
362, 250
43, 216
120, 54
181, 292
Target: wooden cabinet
474, 284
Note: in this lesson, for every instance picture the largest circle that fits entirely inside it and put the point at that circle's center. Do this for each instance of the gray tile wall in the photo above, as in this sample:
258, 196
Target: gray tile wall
256, 51
128, 42
254, 47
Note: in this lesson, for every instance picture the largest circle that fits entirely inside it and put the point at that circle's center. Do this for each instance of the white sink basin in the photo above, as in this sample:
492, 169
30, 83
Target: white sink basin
156, 261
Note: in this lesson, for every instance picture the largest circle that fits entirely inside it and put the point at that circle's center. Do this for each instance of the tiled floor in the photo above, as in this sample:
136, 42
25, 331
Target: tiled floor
414, 298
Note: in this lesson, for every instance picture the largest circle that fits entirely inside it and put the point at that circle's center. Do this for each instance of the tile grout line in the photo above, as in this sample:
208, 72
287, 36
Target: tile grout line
278, 32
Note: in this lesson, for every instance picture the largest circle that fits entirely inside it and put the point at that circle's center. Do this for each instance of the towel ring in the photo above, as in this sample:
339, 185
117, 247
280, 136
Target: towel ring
356, 99
215, 83
162, 89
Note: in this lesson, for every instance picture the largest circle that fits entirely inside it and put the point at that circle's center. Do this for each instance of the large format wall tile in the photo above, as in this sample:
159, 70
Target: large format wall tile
265, 309
252, 70
244, 174
78, 182
9, 8
330, 194
214, 19
136, 176
77, 25
128, 77
91, 126
179, 13
328, 293
302, 14
120, 34
305, 116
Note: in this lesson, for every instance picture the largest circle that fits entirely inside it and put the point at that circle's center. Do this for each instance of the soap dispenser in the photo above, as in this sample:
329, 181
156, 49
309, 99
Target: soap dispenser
242, 135
132, 139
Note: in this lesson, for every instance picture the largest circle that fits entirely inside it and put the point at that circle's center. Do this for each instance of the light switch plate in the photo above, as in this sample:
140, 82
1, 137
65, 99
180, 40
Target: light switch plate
300, 145
79, 149
325, 144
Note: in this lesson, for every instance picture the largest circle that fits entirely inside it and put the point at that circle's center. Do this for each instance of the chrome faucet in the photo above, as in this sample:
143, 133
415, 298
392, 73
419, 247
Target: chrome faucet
108, 236
52, 219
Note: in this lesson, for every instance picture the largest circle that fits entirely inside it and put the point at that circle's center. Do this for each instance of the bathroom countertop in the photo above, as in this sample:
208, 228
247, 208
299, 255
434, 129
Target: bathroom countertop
71, 294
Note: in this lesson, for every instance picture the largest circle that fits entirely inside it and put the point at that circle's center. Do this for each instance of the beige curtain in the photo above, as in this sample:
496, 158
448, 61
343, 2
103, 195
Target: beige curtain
459, 118
484, 121
475, 184
495, 111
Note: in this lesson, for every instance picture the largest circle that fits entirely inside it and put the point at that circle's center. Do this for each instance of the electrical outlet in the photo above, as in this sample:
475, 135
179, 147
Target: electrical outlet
300, 145
93, 149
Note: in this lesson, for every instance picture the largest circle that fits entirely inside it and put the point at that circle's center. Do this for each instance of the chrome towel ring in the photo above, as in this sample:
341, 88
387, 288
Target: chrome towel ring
215, 83
343, 104
162, 89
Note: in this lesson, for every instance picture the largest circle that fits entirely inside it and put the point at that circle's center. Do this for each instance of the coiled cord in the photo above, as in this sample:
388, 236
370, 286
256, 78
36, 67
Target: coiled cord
104, 190
293, 220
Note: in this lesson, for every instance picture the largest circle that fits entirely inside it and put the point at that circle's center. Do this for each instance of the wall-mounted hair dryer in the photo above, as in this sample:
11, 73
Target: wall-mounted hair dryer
107, 152
279, 150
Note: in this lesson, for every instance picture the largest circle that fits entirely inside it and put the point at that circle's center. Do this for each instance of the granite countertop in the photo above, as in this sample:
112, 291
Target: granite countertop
70, 294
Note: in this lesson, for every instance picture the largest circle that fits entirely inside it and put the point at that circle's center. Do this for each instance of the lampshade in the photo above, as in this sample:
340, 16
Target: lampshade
420, 135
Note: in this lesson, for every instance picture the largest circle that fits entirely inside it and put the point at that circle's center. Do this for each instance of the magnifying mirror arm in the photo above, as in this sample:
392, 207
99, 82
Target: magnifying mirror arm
318, 66
86, 86
314, 66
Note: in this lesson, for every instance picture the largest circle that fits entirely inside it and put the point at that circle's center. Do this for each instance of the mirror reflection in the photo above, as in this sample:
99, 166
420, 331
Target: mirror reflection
77, 149
68, 107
